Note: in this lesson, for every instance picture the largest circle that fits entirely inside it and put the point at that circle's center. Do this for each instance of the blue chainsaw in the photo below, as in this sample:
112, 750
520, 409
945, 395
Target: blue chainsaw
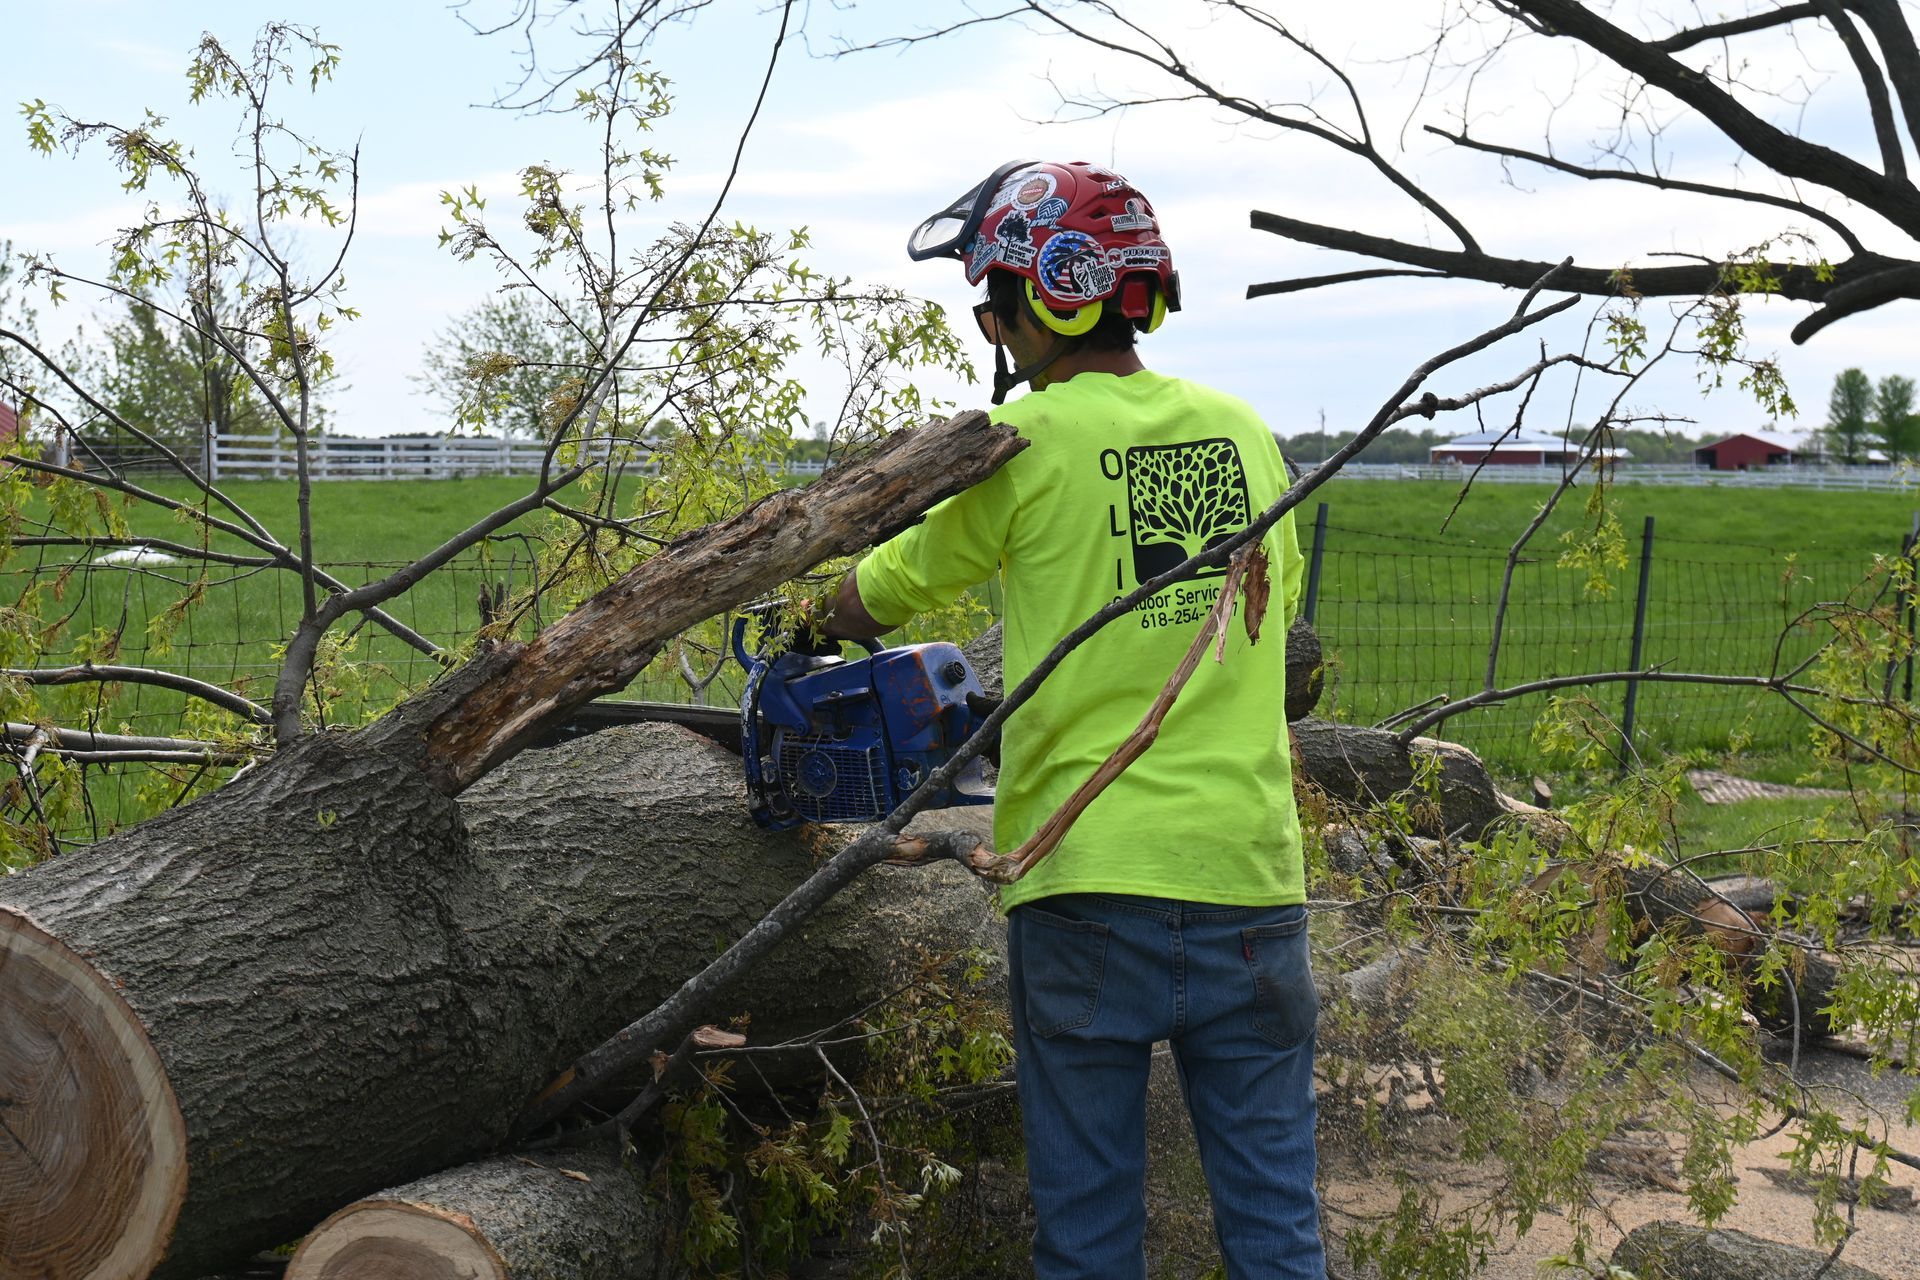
827, 739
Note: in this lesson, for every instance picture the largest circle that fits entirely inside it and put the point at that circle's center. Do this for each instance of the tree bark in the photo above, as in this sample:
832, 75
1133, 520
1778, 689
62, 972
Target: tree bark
328, 977
581, 1216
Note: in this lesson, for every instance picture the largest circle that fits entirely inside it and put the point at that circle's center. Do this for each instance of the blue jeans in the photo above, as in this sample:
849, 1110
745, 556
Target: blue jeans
1095, 981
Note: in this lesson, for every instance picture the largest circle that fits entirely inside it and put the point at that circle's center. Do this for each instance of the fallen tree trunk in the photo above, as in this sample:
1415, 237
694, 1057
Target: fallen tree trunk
215, 1034
583, 1217
1682, 1251
220, 1024
1362, 767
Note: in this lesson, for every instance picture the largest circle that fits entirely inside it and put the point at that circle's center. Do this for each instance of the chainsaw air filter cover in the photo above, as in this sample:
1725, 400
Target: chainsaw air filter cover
828, 740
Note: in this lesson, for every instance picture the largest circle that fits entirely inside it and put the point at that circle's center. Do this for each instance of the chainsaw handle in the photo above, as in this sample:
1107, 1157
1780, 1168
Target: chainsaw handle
746, 660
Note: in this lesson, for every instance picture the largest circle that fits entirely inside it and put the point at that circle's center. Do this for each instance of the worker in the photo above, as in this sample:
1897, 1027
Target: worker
1174, 908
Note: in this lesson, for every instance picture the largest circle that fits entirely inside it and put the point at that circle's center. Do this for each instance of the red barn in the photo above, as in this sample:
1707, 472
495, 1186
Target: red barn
1743, 452
9, 425
1506, 448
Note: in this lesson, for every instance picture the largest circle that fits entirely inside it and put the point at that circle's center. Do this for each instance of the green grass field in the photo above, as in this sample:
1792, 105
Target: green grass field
1406, 609
1403, 607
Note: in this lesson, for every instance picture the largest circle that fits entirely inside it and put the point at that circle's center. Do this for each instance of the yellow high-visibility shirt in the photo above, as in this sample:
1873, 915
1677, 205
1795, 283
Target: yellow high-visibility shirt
1126, 476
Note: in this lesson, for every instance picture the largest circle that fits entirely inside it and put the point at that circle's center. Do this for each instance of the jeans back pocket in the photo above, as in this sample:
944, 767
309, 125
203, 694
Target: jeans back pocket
1285, 1006
1061, 964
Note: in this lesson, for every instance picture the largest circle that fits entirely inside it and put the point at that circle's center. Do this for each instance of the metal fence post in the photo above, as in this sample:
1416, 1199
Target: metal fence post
1311, 604
1639, 642
1903, 612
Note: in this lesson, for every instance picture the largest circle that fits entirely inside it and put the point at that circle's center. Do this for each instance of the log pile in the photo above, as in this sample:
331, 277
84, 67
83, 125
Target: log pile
209, 1051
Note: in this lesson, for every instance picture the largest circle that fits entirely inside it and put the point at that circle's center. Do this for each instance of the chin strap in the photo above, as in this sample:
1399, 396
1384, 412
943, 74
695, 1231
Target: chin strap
1005, 380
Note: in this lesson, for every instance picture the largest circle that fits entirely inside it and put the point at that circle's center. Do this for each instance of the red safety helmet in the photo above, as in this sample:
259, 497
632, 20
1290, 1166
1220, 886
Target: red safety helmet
1081, 237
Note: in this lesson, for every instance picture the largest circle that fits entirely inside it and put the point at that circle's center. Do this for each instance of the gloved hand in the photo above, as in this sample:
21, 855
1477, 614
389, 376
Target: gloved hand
809, 640
808, 636
982, 706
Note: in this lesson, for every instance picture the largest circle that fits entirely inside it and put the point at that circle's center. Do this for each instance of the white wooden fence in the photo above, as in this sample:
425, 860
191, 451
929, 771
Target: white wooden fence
359, 458
1901, 479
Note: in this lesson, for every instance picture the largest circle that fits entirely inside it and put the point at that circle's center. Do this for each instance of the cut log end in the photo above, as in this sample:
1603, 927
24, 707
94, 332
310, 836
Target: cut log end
92, 1146
396, 1240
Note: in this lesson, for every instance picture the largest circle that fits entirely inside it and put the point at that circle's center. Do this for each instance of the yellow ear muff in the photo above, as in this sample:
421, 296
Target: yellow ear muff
1073, 326
1159, 311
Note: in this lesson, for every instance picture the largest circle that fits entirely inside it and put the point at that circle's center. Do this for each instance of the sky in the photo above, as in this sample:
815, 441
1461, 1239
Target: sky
859, 148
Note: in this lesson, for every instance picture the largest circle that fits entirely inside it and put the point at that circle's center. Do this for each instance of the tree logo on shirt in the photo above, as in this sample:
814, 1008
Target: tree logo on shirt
1183, 499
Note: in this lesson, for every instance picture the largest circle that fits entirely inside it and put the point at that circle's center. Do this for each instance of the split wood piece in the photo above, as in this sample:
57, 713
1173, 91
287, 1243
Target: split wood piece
977, 857
584, 1217
327, 978
513, 694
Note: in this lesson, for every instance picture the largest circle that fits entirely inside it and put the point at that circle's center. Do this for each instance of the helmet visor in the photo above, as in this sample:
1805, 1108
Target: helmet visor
945, 234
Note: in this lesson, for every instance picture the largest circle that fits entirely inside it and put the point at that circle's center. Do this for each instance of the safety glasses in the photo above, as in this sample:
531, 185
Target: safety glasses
947, 233
988, 323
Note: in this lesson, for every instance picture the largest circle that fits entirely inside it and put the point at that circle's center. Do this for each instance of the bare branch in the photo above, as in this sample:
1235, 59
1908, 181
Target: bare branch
180, 549
1796, 281
1893, 198
1861, 294
1652, 675
1897, 49
1692, 36
102, 748
1303, 283
1664, 183
1893, 160
88, 672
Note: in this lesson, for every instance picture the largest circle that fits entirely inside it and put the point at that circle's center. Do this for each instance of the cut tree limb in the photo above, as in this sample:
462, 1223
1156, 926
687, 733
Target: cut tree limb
509, 696
581, 1217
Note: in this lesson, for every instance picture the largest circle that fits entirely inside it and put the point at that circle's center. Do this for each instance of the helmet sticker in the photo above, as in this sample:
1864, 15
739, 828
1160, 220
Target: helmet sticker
1136, 218
1004, 196
1049, 211
1014, 240
1117, 184
1032, 189
1073, 267
1127, 256
981, 254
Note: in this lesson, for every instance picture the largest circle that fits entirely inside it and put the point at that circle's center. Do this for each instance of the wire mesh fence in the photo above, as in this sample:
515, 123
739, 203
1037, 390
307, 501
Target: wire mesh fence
1405, 620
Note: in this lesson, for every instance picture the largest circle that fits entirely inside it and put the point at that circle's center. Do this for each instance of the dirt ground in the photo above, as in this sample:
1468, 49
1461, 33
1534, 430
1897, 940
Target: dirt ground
1886, 1239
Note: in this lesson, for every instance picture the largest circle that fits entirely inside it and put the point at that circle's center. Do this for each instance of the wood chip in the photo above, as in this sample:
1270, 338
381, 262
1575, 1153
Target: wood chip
1257, 587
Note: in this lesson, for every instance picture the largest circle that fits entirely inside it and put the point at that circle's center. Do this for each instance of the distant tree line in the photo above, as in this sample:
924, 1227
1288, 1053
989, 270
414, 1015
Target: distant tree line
1862, 417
